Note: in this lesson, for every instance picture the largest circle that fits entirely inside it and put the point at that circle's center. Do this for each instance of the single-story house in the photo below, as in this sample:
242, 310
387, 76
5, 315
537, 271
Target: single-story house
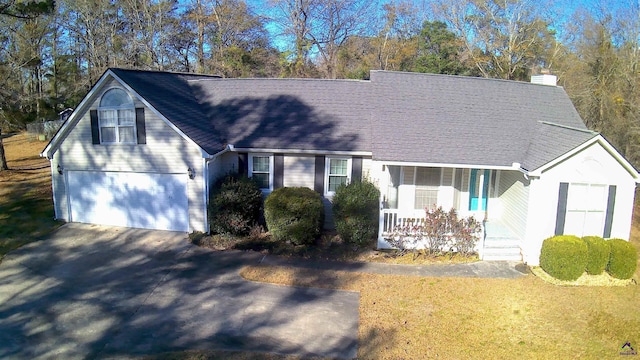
143, 149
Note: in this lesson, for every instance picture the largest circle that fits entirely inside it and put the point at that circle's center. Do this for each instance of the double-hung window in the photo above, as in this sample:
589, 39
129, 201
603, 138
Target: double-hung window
261, 170
337, 172
117, 118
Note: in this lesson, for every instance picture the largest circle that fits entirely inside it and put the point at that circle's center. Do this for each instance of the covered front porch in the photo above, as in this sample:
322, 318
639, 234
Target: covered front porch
495, 197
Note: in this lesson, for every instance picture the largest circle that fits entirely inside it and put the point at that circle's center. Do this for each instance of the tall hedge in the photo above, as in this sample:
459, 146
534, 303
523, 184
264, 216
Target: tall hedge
564, 257
623, 259
597, 254
294, 214
355, 211
235, 205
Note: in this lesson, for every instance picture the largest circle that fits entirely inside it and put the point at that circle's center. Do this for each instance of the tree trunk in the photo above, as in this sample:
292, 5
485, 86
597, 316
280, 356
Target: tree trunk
3, 159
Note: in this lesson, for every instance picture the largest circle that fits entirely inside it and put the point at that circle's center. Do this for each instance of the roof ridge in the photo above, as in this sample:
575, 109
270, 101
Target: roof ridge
452, 76
569, 127
167, 72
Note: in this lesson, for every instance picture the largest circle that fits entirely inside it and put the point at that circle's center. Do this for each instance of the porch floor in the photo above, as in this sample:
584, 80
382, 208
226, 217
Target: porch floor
500, 243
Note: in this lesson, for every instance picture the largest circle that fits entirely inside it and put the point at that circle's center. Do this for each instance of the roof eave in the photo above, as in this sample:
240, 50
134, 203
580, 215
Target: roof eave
596, 139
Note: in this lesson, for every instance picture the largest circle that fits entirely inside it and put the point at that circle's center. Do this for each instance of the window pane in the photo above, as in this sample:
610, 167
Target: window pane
261, 164
126, 134
597, 198
426, 197
115, 98
338, 167
594, 223
107, 117
336, 181
577, 197
428, 176
126, 117
262, 180
108, 134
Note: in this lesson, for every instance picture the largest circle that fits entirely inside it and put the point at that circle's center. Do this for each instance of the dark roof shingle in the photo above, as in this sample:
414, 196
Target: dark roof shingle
404, 117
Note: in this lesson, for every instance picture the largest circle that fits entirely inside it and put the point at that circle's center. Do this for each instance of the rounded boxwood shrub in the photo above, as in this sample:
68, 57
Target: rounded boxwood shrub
235, 205
355, 211
294, 214
564, 257
623, 259
597, 254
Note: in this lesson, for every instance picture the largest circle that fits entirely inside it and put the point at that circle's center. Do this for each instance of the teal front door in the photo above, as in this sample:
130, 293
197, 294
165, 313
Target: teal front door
478, 189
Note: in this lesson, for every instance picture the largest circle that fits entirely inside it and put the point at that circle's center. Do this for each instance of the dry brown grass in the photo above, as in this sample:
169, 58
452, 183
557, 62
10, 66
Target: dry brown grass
26, 206
404, 317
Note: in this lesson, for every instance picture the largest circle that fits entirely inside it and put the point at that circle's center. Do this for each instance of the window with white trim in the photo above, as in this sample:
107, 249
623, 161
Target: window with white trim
586, 209
261, 170
117, 118
427, 181
337, 172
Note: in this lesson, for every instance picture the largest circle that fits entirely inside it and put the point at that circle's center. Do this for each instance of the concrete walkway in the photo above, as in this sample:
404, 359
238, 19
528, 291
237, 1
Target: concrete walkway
93, 292
480, 269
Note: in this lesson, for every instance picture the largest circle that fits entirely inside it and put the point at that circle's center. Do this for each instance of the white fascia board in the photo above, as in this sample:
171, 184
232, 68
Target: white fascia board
597, 139
515, 166
300, 151
169, 123
62, 133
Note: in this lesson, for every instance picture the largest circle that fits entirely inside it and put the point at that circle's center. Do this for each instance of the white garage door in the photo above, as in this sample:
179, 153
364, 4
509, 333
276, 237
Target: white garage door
149, 201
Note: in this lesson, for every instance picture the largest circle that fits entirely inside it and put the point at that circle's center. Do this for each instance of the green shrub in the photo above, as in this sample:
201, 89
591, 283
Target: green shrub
235, 205
355, 212
294, 214
597, 254
623, 259
564, 257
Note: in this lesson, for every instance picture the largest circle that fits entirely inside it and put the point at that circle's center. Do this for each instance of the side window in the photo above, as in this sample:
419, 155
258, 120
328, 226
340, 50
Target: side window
337, 172
261, 169
117, 118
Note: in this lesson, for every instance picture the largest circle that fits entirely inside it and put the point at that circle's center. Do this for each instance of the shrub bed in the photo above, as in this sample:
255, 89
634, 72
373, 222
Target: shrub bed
623, 259
597, 254
355, 211
294, 214
564, 257
235, 205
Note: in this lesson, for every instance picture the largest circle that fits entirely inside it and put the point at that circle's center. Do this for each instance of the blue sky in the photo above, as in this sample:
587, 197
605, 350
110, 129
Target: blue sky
562, 10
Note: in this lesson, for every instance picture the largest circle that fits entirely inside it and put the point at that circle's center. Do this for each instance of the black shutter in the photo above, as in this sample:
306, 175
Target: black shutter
562, 208
140, 126
611, 203
356, 168
278, 171
243, 164
95, 127
318, 184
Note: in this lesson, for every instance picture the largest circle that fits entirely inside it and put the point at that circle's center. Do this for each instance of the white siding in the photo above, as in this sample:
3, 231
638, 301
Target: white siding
593, 165
165, 152
513, 199
366, 169
299, 171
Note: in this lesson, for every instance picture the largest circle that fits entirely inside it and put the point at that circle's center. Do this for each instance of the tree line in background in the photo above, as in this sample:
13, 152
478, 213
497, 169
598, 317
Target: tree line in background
53, 52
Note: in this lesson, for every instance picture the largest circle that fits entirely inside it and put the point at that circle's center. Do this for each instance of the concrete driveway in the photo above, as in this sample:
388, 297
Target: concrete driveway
92, 292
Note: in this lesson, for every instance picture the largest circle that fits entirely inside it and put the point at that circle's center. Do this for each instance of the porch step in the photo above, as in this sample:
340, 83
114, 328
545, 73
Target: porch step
500, 243
501, 249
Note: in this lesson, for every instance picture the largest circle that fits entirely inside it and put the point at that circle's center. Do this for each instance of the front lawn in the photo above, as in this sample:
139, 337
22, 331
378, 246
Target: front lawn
26, 206
404, 317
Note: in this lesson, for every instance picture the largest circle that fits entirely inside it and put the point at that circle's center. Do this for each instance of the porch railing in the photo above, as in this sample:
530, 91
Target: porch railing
392, 218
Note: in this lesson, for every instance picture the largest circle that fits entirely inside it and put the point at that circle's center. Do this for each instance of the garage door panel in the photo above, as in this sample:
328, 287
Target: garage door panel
152, 201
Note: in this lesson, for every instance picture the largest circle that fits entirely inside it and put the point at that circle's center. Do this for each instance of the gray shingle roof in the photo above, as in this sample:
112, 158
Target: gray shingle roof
470, 121
405, 117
